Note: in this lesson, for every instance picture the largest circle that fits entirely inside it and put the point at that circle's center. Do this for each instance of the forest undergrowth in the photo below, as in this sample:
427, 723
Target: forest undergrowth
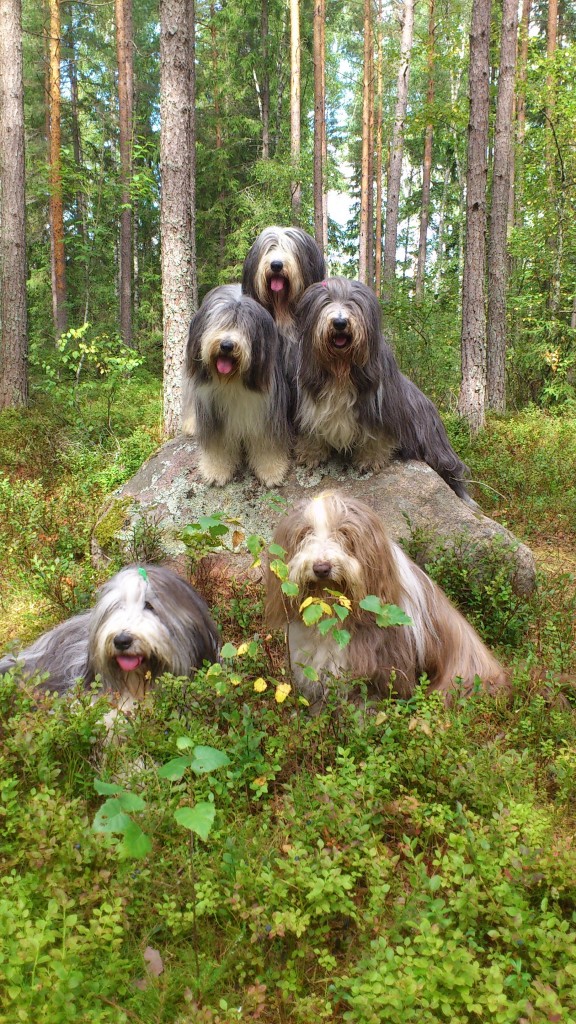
410, 864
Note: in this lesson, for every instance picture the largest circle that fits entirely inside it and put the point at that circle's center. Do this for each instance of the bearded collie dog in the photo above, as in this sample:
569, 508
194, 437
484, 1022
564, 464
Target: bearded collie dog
336, 543
235, 393
351, 395
279, 267
146, 621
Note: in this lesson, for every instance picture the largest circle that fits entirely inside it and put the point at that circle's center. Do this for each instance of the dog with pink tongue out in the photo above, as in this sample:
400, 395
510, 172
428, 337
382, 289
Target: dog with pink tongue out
235, 395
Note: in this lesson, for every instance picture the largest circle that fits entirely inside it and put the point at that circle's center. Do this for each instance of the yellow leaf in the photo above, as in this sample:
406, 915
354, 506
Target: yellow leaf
282, 691
345, 602
309, 600
325, 608
260, 685
235, 680
261, 781
242, 649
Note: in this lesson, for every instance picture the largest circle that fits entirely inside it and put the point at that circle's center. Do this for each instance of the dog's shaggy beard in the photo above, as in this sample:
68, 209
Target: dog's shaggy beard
278, 268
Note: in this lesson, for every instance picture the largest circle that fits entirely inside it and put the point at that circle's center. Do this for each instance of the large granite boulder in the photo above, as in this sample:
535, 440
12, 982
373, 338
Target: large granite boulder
146, 516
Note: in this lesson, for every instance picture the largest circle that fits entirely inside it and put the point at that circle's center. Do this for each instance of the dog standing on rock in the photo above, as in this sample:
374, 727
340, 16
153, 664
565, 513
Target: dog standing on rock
235, 394
351, 395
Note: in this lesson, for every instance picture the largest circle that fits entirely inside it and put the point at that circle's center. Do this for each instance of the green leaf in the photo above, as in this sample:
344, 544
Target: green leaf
371, 603
135, 843
198, 819
228, 651
312, 614
110, 818
107, 788
278, 550
255, 543
326, 625
341, 611
310, 673
174, 769
208, 759
131, 802
289, 588
342, 637
184, 742
280, 569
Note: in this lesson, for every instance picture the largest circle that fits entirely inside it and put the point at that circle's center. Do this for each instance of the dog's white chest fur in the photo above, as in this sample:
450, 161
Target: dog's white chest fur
308, 648
243, 412
332, 416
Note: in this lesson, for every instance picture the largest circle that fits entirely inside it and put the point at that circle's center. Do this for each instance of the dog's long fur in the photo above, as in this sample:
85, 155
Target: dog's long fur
280, 265
351, 395
146, 619
235, 395
338, 542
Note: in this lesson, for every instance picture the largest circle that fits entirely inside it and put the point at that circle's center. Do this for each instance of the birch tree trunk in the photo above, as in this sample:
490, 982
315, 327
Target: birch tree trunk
518, 187
14, 338
125, 61
397, 146
192, 150
296, 197
175, 200
265, 87
501, 183
472, 398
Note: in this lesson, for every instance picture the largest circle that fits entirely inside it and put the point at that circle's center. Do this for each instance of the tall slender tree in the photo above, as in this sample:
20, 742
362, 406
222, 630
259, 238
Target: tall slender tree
427, 161
379, 160
472, 397
57, 251
501, 183
125, 61
319, 121
295, 89
175, 204
518, 168
14, 338
397, 144
192, 150
367, 164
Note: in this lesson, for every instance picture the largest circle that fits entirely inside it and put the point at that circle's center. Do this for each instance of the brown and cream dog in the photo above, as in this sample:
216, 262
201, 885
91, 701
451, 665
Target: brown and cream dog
336, 542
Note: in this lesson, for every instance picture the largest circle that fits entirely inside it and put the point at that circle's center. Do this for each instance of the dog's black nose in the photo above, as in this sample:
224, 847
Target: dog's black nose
322, 569
226, 345
122, 641
340, 323
276, 266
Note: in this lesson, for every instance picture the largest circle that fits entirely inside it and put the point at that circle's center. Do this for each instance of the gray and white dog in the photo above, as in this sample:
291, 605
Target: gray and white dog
146, 621
351, 395
235, 391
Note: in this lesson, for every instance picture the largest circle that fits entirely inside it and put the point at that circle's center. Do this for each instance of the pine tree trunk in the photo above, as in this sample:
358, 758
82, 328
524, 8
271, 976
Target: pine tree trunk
427, 161
14, 338
295, 108
397, 145
175, 202
501, 181
472, 398
192, 150
58, 255
554, 241
319, 122
379, 120
265, 88
125, 61
521, 110
367, 152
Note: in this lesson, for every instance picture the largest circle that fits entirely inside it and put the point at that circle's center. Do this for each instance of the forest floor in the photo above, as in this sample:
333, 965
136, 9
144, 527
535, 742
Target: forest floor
412, 865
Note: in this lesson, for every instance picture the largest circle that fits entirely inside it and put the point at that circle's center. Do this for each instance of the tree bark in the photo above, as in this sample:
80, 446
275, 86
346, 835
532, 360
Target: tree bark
427, 161
14, 340
295, 88
265, 87
518, 182
366, 179
378, 143
192, 150
501, 182
175, 199
555, 241
319, 122
397, 145
125, 61
472, 398
58, 256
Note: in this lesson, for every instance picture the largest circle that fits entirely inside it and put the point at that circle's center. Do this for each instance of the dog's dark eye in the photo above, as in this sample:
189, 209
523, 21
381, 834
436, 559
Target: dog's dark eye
148, 607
